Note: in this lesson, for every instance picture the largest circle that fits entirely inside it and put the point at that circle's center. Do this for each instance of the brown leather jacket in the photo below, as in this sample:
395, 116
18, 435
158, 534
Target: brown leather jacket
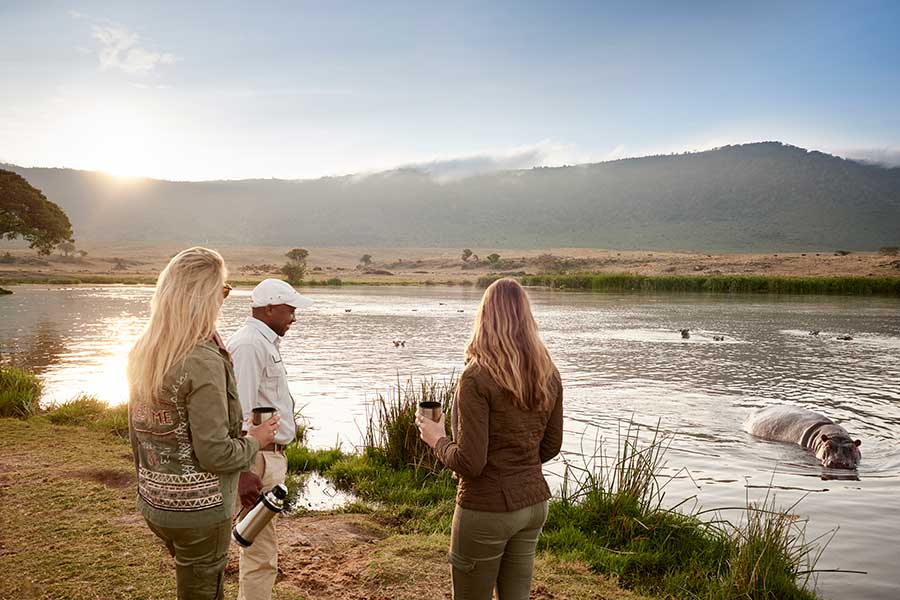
499, 449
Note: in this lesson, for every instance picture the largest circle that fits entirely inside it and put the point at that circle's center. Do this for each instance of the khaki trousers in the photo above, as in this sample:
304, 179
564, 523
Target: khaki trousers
259, 562
200, 554
489, 549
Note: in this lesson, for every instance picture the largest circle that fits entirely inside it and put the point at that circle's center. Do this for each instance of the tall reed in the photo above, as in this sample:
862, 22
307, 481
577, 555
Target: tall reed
391, 433
721, 284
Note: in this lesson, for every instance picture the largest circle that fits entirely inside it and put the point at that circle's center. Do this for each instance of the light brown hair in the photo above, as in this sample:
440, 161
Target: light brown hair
506, 344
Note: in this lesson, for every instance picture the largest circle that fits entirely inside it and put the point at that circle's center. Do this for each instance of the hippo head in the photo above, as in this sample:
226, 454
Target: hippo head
838, 451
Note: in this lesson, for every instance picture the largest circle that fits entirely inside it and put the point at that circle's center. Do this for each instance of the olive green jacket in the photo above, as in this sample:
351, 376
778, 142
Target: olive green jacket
188, 449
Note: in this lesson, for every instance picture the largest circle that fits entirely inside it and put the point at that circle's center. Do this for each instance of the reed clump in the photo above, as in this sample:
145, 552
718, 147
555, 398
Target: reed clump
20, 393
391, 433
720, 284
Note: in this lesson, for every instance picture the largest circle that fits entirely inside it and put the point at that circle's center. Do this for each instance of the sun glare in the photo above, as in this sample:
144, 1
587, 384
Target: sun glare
114, 140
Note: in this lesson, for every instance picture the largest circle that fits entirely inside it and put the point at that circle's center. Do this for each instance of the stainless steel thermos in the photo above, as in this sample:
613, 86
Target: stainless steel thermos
267, 506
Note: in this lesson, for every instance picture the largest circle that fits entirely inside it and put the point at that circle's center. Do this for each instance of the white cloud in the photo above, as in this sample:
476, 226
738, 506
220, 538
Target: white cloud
121, 49
887, 157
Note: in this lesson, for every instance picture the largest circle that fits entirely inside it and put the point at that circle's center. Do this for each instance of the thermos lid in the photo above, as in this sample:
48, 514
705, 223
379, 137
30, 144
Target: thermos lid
280, 491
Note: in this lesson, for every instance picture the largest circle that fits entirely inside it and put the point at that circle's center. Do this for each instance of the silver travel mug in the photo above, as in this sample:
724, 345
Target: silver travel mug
269, 504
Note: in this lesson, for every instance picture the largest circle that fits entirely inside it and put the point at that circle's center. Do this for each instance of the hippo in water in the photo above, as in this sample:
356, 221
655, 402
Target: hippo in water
830, 442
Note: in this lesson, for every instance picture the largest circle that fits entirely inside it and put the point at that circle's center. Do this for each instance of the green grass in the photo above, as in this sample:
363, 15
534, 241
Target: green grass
20, 393
301, 459
720, 284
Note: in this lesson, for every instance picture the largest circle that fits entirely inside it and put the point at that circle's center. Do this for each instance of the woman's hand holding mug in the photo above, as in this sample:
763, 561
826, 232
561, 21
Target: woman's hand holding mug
430, 431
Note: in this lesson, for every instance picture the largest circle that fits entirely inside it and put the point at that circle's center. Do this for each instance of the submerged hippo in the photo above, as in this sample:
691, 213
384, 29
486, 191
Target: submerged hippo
830, 442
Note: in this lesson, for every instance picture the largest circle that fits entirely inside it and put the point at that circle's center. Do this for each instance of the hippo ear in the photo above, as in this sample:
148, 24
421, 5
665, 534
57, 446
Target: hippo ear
824, 437
857, 442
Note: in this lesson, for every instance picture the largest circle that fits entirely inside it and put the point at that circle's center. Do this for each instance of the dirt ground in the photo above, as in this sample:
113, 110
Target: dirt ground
133, 261
352, 557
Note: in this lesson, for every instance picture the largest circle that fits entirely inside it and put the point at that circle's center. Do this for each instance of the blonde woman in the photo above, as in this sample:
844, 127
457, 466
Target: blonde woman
507, 421
185, 422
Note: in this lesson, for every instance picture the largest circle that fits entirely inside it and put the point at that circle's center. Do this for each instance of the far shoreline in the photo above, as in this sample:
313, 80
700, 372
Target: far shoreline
857, 273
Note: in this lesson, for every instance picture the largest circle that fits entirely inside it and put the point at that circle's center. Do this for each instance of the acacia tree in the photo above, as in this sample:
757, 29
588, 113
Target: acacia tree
25, 212
466, 255
366, 259
295, 268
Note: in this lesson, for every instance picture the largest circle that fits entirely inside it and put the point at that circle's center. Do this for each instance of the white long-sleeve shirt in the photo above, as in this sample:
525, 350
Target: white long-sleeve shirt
261, 376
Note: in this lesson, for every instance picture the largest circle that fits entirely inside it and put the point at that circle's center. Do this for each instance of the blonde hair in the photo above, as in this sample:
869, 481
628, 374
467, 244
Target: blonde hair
506, 344
183, 312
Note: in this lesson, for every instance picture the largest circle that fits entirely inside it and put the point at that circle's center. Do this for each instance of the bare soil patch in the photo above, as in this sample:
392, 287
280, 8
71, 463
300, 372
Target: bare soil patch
108, 477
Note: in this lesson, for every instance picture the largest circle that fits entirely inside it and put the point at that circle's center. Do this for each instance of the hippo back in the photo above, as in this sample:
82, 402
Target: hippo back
785, 424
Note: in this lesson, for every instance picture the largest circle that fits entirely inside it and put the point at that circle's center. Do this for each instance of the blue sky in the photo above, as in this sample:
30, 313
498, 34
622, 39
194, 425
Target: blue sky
295, 89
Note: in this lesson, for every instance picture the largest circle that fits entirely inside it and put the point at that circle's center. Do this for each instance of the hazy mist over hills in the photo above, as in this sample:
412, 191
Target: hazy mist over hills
753, 197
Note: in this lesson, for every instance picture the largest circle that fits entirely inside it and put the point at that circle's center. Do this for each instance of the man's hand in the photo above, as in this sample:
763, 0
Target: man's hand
249, 487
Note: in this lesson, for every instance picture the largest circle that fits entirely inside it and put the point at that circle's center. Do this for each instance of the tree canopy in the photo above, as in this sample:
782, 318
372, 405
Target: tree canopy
25, 212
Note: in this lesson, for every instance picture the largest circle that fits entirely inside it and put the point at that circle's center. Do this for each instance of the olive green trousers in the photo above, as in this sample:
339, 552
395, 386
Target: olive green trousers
489, 549
201, 554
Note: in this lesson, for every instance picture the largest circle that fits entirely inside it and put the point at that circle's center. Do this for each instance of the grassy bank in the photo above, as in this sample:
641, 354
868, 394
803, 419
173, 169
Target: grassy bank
609, 514
70, 529
67, 477
718, 284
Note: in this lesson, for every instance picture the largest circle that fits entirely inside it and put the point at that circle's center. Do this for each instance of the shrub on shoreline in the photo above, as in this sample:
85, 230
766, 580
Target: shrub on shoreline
83, 409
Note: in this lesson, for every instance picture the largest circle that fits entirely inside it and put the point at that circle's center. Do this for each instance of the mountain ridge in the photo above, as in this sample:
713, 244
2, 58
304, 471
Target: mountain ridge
741, 198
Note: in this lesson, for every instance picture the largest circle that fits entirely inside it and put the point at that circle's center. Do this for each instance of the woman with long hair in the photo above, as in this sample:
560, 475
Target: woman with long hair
507, 421
185, 422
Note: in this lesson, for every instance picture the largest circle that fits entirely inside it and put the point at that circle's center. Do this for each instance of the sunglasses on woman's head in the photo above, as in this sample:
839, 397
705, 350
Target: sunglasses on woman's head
226, 289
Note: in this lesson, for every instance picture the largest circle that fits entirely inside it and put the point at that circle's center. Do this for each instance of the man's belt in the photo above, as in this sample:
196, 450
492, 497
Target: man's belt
279, 448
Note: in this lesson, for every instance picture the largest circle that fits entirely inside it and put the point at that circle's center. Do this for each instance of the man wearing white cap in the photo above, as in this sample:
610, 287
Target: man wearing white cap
262, 382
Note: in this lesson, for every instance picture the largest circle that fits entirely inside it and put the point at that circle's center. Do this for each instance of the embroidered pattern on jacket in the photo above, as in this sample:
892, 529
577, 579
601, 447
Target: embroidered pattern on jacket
188, 492
185, 450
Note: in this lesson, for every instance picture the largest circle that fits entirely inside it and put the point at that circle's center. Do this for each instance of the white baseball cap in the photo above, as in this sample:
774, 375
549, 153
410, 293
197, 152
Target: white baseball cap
276, 291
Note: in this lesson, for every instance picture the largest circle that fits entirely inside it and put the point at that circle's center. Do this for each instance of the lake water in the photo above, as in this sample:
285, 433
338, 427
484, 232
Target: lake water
621, 358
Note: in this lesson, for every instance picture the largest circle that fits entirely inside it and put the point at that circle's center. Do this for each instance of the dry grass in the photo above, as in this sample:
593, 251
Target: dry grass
435, 265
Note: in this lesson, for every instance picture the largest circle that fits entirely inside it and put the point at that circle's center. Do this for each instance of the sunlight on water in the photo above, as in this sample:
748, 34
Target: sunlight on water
622, 359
